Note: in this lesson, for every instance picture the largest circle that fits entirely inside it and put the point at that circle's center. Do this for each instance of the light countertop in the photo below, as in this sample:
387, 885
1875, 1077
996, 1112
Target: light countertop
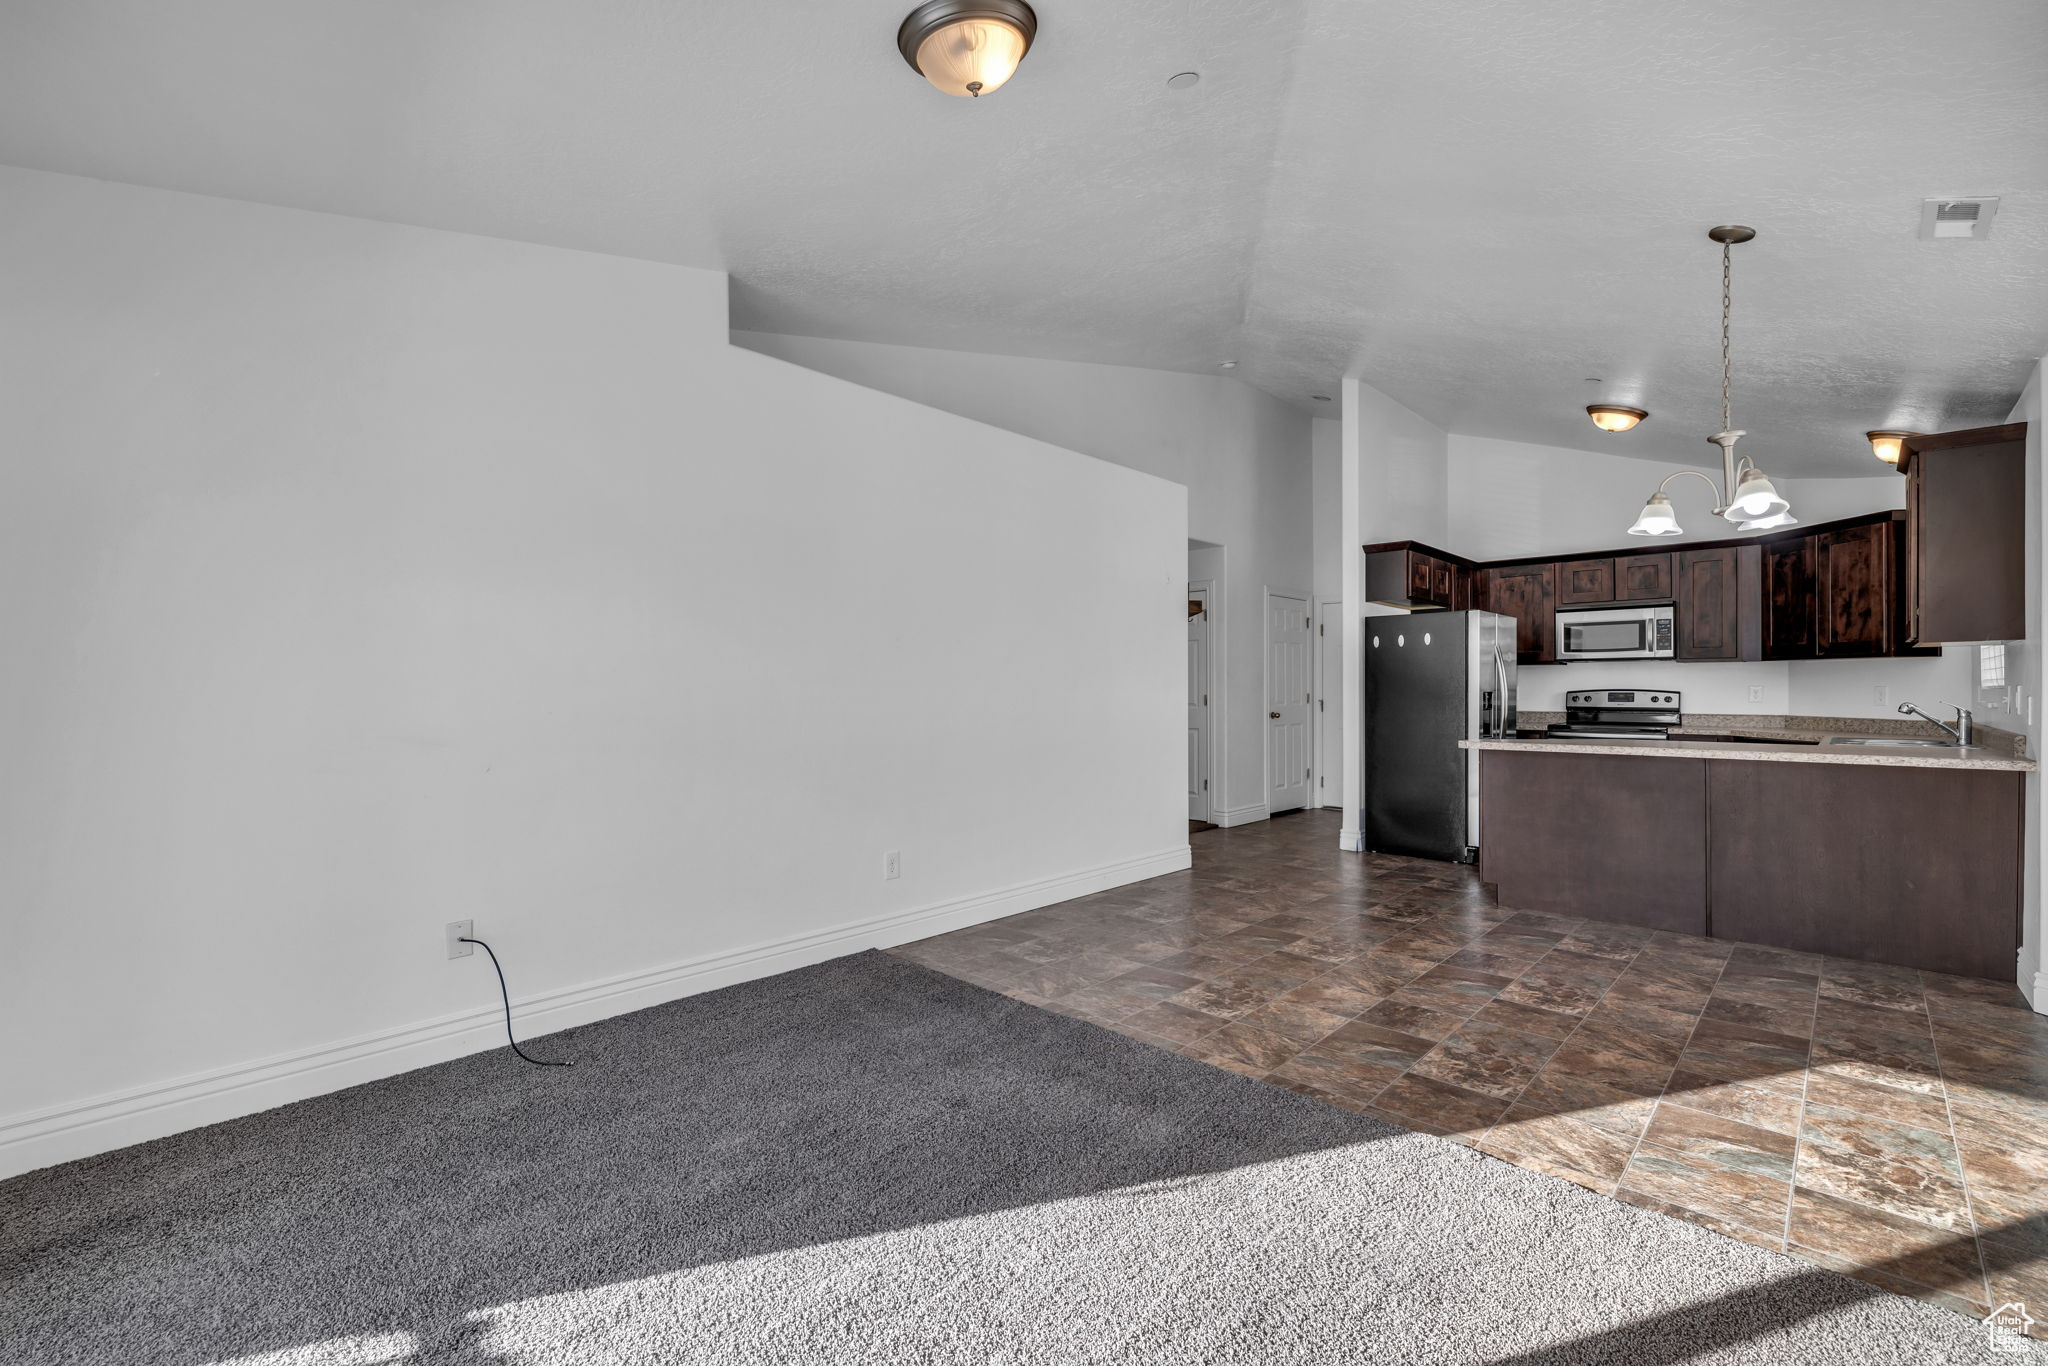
1764, 751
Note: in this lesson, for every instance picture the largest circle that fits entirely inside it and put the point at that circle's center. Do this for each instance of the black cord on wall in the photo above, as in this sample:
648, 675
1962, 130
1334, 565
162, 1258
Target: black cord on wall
506, 996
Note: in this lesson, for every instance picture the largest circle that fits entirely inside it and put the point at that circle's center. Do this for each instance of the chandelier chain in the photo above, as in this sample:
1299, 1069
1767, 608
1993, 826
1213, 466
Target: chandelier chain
1727, 370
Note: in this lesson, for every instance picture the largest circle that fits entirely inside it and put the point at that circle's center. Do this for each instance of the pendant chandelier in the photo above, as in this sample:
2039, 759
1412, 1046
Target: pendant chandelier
1744, 496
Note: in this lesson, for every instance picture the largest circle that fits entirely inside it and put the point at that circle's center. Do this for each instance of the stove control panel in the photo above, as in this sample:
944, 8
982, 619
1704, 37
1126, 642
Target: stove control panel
1624, 699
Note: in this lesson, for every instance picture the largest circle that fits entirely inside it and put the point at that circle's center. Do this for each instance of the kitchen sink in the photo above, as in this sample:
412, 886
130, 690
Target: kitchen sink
1891, 740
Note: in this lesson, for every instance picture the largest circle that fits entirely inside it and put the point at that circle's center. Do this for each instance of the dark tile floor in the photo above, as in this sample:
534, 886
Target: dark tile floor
1884, 1122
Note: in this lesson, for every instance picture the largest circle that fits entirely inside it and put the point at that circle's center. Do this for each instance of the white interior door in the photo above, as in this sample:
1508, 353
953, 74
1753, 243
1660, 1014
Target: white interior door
1329, 717
1287, 702
1198, 708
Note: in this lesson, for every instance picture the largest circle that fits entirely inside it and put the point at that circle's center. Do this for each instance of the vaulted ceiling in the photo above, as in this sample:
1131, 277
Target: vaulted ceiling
1479, 206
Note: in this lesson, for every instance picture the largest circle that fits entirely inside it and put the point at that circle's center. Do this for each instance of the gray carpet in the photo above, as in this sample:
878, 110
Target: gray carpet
869, 1162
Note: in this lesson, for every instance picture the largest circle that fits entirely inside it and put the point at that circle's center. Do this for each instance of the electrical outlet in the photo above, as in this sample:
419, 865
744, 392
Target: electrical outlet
892, 864
1756, 692
459, 930
1882, 694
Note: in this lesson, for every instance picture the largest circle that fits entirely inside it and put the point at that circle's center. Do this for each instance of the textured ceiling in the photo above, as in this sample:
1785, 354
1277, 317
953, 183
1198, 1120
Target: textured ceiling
1474, 205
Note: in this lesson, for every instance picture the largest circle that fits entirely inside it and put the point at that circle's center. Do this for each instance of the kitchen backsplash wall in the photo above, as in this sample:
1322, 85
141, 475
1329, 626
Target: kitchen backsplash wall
1848, 687
1807, 687
1705, 687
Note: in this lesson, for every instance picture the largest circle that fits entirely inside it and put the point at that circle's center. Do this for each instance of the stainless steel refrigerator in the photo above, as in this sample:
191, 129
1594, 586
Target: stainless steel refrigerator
1431, 680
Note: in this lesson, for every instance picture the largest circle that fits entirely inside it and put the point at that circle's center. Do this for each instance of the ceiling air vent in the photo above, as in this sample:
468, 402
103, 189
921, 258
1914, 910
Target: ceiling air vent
1969, 218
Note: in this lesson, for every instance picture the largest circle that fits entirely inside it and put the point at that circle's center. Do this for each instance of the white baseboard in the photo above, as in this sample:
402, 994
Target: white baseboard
1352, 841
64, 1133
1241, 815
2038, 997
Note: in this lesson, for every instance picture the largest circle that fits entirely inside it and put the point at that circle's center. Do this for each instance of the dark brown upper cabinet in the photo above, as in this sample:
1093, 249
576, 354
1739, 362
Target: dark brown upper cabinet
1404, 574
1421, 577
1719, 602
1791, 609
1852, 591
1839, 590
1965, 558
1643, 578
1528, 593
1585, 581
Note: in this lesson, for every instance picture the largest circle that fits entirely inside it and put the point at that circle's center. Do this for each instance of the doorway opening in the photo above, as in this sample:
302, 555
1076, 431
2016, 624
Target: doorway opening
1201, 802
1329, 715
1289, 697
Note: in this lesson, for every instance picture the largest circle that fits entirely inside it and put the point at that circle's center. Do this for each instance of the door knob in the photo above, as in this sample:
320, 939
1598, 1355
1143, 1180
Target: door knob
1274, 714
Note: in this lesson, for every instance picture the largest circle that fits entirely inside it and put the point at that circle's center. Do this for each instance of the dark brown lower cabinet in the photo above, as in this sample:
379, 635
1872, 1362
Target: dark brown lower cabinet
1607, 836
1918, 867
1914, 866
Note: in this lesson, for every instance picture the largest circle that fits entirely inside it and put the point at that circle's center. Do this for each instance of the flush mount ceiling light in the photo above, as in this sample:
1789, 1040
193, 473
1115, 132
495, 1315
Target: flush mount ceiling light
1746, 497
1609, 417
1886, 446
967, 47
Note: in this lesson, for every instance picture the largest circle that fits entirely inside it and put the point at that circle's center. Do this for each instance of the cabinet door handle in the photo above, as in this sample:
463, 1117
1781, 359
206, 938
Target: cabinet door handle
1274, 715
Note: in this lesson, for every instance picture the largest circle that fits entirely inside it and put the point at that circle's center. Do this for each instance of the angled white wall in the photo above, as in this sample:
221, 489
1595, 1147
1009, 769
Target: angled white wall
358, 578
1244, 456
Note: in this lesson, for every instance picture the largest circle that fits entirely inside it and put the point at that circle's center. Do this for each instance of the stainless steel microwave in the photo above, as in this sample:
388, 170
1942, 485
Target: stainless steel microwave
1637, 631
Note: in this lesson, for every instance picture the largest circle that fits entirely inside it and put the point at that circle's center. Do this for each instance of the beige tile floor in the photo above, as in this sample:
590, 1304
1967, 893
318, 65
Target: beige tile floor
1888, 1123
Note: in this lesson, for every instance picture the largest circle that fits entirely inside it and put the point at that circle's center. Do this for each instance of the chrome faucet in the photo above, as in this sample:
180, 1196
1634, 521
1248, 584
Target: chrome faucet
1963, 732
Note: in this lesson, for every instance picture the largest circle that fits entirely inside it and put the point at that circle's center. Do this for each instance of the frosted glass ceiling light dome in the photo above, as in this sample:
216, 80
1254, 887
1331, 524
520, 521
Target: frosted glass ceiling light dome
967, 47
1746, 497
1658, 518
1887, 446
1612, 417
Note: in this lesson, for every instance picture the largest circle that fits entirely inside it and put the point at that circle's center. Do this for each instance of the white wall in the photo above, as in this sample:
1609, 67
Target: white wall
1243, 455
1326, 447
1404, 491
1511, 498
357, 578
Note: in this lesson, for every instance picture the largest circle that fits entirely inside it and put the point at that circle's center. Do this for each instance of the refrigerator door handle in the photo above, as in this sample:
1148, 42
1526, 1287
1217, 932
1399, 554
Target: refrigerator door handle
1500, 678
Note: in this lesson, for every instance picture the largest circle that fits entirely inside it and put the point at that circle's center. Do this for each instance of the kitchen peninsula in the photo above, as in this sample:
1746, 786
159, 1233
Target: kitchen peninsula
1889, 853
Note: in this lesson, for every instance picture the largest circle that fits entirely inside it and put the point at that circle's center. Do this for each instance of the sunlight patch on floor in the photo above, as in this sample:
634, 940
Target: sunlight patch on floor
365, 1349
